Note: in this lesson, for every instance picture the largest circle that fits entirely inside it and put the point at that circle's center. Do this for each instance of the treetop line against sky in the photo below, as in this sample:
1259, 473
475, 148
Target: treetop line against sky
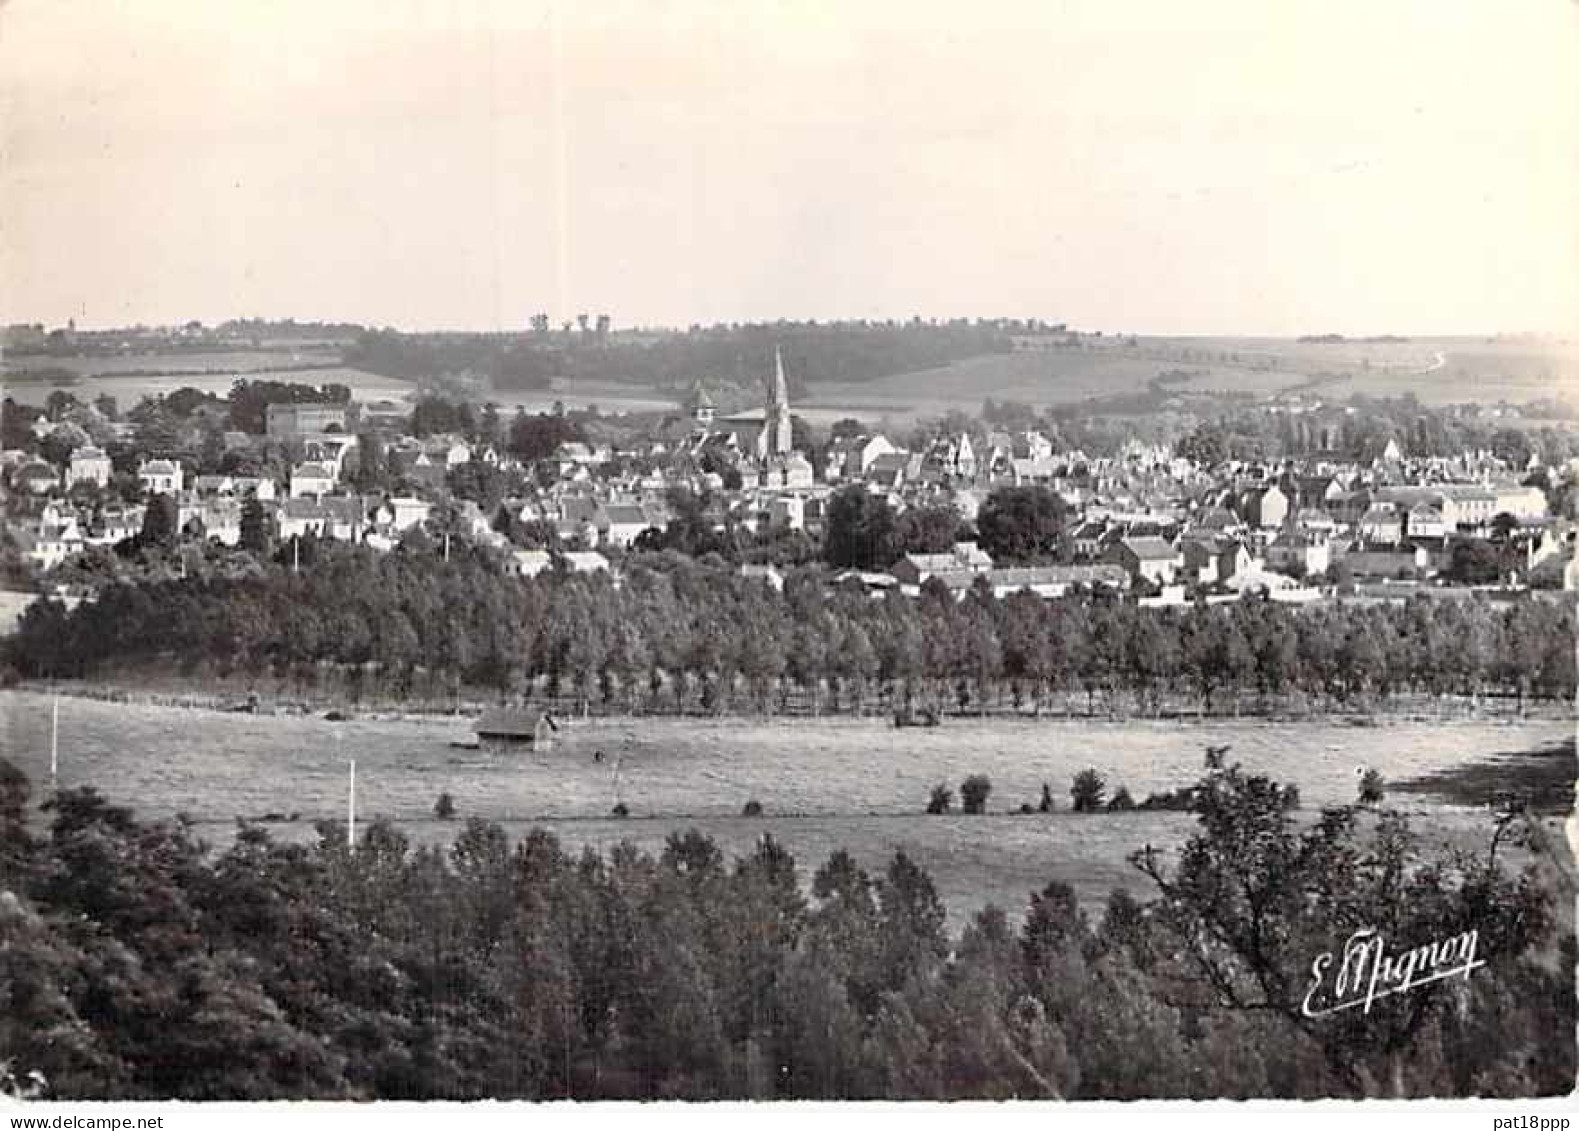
1219, 167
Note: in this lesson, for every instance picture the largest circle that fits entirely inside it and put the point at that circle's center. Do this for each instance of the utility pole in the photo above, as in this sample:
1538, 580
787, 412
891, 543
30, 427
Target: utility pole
54, 746
296, 553
350, 815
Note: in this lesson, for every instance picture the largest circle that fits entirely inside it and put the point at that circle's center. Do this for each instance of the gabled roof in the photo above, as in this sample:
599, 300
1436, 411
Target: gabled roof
1150, 549
1214, 544
1059, 575
507, 722
625, 514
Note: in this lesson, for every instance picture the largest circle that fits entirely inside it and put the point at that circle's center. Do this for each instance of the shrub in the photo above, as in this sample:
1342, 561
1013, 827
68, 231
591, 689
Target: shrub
444, 807
973, 793
753, 808
1181, 800
622, 810
942, 799
1088, 791
1121, 801
1027, 807
1372, 788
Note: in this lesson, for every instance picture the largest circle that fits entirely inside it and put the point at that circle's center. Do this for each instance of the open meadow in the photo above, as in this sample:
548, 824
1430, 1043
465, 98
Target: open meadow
1435, 370
854, 784
1475, 369
130, 387
173, 361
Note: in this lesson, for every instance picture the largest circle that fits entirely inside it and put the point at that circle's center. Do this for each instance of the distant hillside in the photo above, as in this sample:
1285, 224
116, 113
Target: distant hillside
813, 352
1339, 339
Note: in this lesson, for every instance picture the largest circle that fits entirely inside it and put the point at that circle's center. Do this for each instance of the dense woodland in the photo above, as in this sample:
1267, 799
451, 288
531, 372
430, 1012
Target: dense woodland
694, 635
136, 963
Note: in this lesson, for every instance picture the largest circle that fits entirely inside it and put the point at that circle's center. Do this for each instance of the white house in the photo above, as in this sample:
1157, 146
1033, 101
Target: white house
220, 520
114, 524
797, 472
851, 456
297, 517
620, 524
161, 476
88, 465
585, 561
312, 480
54, 539
787, 512
527, 563
404, 513
262, 488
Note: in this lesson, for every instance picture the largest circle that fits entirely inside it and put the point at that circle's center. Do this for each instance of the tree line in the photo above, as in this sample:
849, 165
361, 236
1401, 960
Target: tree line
137, 963
1260, 433
675, 633
742, 353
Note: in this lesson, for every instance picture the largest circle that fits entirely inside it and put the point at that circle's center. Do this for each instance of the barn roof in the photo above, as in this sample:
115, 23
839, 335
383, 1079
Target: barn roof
508, 722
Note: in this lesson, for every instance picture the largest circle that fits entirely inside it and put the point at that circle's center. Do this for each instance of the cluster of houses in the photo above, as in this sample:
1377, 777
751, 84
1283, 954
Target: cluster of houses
1145, 519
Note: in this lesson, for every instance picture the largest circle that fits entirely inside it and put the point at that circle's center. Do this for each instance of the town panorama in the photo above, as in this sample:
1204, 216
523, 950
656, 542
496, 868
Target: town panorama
923, 709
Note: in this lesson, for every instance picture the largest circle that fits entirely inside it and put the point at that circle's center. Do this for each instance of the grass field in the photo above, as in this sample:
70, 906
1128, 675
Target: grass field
176, 361
1479, 370
1436, 370
860, 785
128, 389
1032, 377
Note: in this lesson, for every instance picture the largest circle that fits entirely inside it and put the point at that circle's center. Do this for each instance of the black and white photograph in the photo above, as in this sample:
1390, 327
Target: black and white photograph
559, 555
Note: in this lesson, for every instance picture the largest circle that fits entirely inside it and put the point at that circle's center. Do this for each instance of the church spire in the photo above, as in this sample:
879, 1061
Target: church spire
777, 396
777, 435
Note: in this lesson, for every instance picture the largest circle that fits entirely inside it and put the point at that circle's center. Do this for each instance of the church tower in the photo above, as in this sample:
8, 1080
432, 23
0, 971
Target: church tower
776, 435
701, 405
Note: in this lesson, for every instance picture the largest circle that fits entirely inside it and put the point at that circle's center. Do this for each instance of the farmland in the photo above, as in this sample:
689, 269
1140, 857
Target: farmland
1476, 369
175, 361
145, 376
1436, 370
854, 784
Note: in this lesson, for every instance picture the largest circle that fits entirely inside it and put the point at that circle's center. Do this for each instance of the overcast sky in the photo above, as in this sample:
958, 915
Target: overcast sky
1201, 167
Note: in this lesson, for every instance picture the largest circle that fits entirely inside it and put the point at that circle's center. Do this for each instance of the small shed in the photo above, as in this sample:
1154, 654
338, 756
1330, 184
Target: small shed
509, 726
